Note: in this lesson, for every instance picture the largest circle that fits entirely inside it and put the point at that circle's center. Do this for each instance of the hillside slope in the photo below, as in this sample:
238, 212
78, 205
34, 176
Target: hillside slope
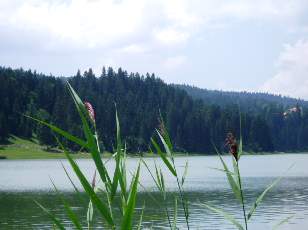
193, 123
247, 100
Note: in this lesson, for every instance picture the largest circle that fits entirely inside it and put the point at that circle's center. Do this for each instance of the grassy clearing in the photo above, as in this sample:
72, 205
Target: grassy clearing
19, 148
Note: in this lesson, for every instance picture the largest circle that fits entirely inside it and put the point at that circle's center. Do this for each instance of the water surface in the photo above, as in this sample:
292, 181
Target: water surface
22, 181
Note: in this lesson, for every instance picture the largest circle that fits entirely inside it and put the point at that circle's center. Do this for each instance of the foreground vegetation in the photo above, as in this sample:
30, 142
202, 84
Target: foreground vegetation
112, 192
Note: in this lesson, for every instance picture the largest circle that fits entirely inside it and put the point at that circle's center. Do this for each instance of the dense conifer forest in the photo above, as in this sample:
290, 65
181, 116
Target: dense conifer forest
194, 117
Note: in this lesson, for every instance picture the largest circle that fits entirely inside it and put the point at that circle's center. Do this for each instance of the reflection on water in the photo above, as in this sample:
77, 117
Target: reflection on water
23, 181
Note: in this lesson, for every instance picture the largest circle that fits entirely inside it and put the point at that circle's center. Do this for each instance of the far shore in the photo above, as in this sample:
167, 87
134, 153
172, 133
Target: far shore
9, 154
21, 149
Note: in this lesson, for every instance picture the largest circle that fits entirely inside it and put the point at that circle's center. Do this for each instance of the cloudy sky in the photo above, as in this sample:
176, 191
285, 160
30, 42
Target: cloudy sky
217, 44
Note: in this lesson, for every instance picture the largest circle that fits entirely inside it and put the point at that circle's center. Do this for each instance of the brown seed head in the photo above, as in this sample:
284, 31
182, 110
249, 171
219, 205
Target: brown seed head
232, 145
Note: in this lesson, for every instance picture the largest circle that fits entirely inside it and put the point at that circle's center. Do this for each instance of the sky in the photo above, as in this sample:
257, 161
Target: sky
240, 45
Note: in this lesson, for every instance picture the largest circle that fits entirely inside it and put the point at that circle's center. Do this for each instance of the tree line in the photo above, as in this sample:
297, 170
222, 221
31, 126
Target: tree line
193, 122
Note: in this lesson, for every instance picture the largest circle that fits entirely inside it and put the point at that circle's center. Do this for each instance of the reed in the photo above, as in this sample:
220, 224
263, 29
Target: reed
236, 184
117, 193
115, 183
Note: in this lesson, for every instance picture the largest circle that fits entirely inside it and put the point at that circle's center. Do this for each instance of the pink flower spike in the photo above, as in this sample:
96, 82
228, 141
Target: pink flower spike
90, 109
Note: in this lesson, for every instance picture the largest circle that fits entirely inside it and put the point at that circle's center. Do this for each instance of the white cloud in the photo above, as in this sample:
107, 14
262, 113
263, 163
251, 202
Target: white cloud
104, 22
292, 76
171, 36
261, 9
88, 23
172, 63
60, 36
133, 49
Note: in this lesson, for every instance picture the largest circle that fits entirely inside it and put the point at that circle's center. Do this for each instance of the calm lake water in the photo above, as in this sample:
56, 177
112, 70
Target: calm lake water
22, 181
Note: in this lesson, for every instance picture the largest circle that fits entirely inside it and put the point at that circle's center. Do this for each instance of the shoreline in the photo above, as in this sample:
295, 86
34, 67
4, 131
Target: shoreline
44, 155
21, 149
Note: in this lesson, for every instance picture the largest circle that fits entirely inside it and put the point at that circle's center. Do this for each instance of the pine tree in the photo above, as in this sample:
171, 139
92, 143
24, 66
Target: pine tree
44, 135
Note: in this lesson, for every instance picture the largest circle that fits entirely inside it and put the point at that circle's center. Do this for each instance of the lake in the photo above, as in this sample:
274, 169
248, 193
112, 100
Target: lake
22, 181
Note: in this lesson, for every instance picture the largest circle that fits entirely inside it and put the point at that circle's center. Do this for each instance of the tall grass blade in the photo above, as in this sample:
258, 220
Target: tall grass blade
74, 186
240, 152
158, 203
116, 176
162, 181
155, 181
165, 134
72, 216
175, 215
222, 170
117, 173
51, 216
233, 184
90, 213
260, 198
92, 144
166, 146
284, 221
185, 173
70, 179
102, 208
225, 215
236, 171
164, 138
79, 104
61, 132
158, 177
163, 157
122, 178
129, 212
141, 217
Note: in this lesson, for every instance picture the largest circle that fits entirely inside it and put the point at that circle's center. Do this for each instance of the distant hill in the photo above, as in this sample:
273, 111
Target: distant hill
248, 101
195, 118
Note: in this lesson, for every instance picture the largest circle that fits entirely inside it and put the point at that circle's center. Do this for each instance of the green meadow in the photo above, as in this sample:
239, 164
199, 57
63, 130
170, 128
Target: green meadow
18, 148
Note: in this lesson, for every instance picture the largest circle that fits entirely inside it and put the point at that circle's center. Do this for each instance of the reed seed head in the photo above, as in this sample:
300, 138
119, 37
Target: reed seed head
232, 145
90, 109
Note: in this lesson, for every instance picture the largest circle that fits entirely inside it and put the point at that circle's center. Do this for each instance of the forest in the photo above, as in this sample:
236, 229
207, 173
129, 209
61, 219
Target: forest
195, 117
